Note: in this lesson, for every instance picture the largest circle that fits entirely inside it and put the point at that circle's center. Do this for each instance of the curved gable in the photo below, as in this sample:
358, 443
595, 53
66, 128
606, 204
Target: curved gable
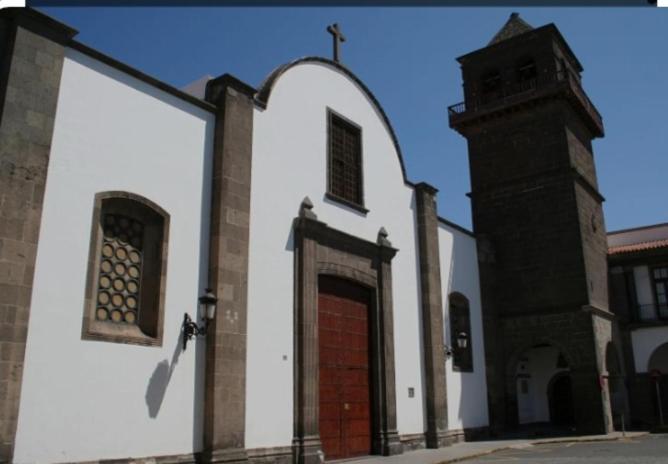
265, 89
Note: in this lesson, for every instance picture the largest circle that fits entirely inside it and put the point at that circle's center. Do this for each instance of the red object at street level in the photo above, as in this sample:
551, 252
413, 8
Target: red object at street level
655, 374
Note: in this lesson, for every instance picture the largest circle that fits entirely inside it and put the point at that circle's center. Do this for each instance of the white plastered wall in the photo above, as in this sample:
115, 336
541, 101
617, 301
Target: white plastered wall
90, 400
467, 391
289, 163
645, 342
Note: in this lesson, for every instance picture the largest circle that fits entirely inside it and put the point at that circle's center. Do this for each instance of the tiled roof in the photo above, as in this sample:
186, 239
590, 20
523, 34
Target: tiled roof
514, 26
633, 247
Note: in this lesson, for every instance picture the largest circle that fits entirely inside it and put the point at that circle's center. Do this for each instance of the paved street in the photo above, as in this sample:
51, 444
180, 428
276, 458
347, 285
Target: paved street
520, 450
648, 449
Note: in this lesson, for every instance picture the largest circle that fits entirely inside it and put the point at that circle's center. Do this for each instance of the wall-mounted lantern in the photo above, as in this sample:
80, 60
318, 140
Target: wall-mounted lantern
462, 342
207, 307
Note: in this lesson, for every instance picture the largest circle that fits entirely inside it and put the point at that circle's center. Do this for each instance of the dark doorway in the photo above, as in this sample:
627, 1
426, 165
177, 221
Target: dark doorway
662, 384
345, 393
658, 363
560, 397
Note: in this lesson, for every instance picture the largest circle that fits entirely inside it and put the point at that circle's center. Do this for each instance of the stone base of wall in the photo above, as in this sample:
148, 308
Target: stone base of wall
274, 455
417, 441
284, 454
413, 441
469, 434
190, 458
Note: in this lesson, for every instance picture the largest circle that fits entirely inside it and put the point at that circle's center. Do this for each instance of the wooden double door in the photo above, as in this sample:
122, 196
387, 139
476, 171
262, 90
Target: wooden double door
344, 361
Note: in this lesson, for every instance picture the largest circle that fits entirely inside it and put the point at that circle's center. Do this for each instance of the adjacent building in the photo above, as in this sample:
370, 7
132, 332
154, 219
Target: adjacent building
638, 260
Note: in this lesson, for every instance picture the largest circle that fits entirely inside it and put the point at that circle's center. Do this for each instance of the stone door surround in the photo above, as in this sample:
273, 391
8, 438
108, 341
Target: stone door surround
322, 250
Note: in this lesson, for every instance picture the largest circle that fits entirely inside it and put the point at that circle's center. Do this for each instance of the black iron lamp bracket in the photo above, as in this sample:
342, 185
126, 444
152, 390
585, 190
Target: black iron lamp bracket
191, 329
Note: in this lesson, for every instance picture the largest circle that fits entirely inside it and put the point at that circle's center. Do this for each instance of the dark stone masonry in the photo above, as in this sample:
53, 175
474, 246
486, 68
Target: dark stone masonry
432, 316
31, 63
537, 215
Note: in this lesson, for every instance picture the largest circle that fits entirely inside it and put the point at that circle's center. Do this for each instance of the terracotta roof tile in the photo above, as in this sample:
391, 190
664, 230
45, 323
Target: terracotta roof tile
642, 246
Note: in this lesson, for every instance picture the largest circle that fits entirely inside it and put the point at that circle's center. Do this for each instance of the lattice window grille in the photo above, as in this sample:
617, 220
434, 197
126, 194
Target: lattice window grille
121, 259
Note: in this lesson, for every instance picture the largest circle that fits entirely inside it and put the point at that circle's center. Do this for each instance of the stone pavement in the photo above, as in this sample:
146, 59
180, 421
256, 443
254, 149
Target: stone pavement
648, 449
472, 449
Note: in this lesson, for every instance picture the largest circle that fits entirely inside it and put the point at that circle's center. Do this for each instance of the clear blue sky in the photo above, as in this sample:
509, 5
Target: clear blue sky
406, 56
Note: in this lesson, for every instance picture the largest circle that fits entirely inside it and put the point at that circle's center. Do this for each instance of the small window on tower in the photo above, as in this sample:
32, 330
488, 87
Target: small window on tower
526, 72
345, 162
491, 83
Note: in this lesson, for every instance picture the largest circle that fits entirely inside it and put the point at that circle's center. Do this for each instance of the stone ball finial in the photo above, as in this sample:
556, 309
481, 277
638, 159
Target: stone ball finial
514, 14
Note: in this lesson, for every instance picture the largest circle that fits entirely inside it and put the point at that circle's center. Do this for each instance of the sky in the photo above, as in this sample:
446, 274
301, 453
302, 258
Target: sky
407, 57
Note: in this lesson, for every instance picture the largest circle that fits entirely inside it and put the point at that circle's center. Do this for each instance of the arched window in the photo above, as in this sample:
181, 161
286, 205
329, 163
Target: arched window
460, 329
126, 270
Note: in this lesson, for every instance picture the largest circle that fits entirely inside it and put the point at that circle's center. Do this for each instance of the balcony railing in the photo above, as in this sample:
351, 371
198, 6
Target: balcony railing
522, 90
457, 108
507, 92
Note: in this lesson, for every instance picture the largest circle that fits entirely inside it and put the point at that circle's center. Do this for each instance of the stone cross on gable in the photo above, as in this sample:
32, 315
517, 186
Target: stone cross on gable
337, 36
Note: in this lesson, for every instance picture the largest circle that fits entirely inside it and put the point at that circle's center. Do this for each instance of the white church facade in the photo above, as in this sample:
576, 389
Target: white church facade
235, 274
348, 318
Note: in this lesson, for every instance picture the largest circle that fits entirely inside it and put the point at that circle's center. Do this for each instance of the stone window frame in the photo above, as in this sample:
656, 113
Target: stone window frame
109, 332
462, 358
655, 294
356, 205
322, 250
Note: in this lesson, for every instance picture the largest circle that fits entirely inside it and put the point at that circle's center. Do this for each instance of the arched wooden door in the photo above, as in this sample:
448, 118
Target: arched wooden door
344, 357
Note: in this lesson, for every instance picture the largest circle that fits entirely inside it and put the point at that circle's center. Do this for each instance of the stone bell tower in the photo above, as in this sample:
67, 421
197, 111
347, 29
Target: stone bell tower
538, 218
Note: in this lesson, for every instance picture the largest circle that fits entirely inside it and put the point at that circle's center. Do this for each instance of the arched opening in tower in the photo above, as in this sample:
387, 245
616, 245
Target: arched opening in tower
544, 389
